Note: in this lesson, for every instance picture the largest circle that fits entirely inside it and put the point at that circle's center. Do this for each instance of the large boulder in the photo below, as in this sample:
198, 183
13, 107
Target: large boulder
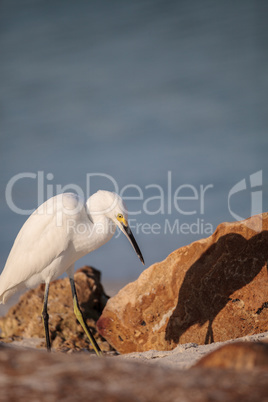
23, 320
214, 289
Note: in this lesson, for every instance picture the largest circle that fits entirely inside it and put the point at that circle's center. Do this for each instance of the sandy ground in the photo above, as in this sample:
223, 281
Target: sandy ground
183, 356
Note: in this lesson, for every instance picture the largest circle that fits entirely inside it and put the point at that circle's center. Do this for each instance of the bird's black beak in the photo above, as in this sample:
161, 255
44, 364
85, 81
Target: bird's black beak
129, 234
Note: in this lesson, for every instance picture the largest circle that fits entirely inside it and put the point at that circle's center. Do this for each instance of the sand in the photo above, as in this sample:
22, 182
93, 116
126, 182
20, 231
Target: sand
182, 357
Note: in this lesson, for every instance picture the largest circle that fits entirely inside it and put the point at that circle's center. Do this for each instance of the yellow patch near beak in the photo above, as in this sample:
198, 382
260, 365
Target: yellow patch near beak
121, 219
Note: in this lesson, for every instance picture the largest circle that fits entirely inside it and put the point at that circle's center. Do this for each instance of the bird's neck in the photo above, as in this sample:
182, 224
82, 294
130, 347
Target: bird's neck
102, 228
101, 231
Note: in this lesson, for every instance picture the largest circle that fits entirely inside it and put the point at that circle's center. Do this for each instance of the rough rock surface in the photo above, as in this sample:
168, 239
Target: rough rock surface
24, 319
212, 290
228, 354
32, 375
238, 356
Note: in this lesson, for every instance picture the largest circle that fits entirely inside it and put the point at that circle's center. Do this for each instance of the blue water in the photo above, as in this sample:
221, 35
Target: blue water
135, 90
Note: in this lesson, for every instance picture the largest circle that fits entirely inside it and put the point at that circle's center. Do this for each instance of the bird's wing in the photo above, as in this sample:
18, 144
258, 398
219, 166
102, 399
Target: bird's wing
42, 239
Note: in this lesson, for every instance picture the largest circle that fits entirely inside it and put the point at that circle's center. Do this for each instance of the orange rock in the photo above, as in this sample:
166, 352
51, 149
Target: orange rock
24, 319
237, 356
212, 290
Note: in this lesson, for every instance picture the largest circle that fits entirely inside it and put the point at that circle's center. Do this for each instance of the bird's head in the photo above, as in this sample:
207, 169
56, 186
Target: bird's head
112, 206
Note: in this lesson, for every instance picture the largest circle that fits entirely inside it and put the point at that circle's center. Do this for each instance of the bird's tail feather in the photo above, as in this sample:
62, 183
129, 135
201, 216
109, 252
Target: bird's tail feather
7, 294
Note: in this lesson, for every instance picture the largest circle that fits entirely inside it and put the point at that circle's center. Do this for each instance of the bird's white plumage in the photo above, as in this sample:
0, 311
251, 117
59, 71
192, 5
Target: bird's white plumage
57, 234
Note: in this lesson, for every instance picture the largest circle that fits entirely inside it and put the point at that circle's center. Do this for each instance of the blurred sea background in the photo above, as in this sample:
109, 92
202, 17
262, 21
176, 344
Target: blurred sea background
141, 91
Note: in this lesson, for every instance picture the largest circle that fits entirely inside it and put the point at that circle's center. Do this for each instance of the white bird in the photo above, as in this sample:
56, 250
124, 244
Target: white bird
57, 234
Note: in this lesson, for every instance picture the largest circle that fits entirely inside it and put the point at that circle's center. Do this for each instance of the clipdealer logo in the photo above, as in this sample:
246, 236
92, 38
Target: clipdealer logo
174, 203
253, 186
178, 209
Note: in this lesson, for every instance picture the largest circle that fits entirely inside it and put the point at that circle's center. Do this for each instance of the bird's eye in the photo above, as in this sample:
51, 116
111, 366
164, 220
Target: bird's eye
119, 216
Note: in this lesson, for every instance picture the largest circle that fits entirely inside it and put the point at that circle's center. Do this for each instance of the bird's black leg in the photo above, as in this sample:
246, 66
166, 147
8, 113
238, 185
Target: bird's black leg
80, 318
45, 318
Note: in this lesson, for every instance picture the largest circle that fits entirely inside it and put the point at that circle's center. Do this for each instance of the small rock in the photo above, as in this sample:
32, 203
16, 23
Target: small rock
238, 356
23, 320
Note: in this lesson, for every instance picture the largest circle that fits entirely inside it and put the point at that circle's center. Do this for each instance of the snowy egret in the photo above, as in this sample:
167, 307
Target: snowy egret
57, 234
